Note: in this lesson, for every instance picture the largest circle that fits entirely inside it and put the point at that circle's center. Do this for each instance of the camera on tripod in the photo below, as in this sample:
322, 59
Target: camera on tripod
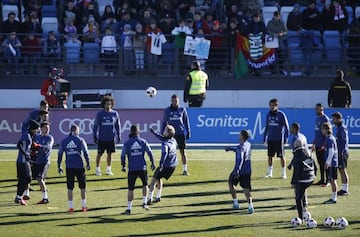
62, 86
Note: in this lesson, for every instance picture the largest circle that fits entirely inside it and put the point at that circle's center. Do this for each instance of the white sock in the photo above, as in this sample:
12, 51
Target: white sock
108, 168
18, 197
185, 167
83, 202
71, 204
145, 199
283, 171
250, 203
158, 195
45, 195
129, 205
270, 169
345, 187
334, 196
151, 194
27, 192
98, 169
235, 201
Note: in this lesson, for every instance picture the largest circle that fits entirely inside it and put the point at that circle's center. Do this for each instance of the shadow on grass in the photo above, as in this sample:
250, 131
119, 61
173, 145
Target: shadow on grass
211, 229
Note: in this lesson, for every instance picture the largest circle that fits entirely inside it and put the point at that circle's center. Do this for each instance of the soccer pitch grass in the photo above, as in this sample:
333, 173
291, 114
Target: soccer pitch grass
196, 205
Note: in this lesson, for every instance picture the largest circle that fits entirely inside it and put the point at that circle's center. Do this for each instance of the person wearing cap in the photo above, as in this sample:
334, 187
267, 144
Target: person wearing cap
74, 147
42, 163
342, 140
303, 175
339, 94
23, 161
134, 149
331, 159
167, 164
242, 171
196, 84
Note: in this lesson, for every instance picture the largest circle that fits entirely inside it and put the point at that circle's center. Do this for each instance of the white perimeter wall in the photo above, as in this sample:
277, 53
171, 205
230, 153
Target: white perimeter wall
129, 99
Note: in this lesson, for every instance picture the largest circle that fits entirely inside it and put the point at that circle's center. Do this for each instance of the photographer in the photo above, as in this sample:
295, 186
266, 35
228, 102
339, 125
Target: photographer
55, 88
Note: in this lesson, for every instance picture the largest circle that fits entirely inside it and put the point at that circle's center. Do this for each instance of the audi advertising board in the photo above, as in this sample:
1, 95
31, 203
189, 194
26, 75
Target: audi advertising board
208, 125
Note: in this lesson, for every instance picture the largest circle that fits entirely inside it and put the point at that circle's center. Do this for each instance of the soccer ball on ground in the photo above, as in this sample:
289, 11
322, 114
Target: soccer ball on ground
311, 223
306, 216
151, 91
329, 221
295, 222
341, 223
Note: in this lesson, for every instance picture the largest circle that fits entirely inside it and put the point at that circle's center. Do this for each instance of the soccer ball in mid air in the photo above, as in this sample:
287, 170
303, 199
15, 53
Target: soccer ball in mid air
295, 222
341, 223
329, 222
151, 91
311, 223
306, 216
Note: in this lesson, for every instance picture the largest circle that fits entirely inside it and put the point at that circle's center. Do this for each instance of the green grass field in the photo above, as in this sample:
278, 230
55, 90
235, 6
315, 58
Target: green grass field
197, 205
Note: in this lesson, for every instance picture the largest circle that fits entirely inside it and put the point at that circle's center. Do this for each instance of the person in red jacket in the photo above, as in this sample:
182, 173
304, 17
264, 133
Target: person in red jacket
31, 51
48, 88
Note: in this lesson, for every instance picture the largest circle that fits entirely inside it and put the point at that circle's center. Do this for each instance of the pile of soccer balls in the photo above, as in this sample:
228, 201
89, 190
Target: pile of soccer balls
340, 223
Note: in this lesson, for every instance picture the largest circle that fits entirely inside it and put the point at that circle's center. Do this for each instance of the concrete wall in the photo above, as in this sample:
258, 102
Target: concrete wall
129, 99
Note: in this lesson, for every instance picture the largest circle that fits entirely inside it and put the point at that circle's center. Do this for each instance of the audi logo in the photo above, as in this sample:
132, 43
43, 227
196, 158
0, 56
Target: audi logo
85, 125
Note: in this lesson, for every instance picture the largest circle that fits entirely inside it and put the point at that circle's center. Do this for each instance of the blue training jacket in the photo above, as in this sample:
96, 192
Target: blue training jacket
32, 115
24, 144
277, 127
178, 118
44, 152
342, 139
107, 125
73, 146
319, 139
168, 153
331, 151
242, 158
134, 148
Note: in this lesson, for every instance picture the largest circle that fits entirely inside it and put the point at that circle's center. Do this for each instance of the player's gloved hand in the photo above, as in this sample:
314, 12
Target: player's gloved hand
95, 140
152, 167
123, 169
60, 171
188, 135
152, 130
88, 167
227, 148
289, 167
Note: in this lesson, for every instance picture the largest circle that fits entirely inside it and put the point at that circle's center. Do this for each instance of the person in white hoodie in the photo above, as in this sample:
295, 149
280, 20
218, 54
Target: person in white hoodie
109, 51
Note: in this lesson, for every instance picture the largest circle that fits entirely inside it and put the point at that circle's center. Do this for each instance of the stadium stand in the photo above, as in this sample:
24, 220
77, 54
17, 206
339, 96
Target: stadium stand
284, 12
49, 24
49, 11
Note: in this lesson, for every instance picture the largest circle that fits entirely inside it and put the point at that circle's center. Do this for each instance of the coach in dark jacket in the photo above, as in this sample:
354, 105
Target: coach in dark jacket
339, 95
303, 176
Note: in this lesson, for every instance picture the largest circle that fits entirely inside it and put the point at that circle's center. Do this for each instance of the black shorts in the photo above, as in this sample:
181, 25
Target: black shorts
108, 146
24, 171
41, 170
343, 160
133, 175
180, 139
71, 173
244, 180
165, 173
332, 173
276, 147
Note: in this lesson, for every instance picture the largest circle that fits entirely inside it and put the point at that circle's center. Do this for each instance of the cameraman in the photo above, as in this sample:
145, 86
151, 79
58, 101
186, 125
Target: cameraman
55, 98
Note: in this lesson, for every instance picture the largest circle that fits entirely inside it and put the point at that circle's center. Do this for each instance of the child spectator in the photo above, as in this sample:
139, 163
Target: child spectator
127, 45
12, 52
139, 44
51, 49
109, 51
91, 31
31, 51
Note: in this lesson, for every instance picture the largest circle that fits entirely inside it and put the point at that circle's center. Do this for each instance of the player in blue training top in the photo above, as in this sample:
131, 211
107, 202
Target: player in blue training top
167, 164
36, 115
74, 147
242, 171
106, 132
23, 161
342, 139
319, 143
275, 136
134, 149
177, 116
42, 163
331, 159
